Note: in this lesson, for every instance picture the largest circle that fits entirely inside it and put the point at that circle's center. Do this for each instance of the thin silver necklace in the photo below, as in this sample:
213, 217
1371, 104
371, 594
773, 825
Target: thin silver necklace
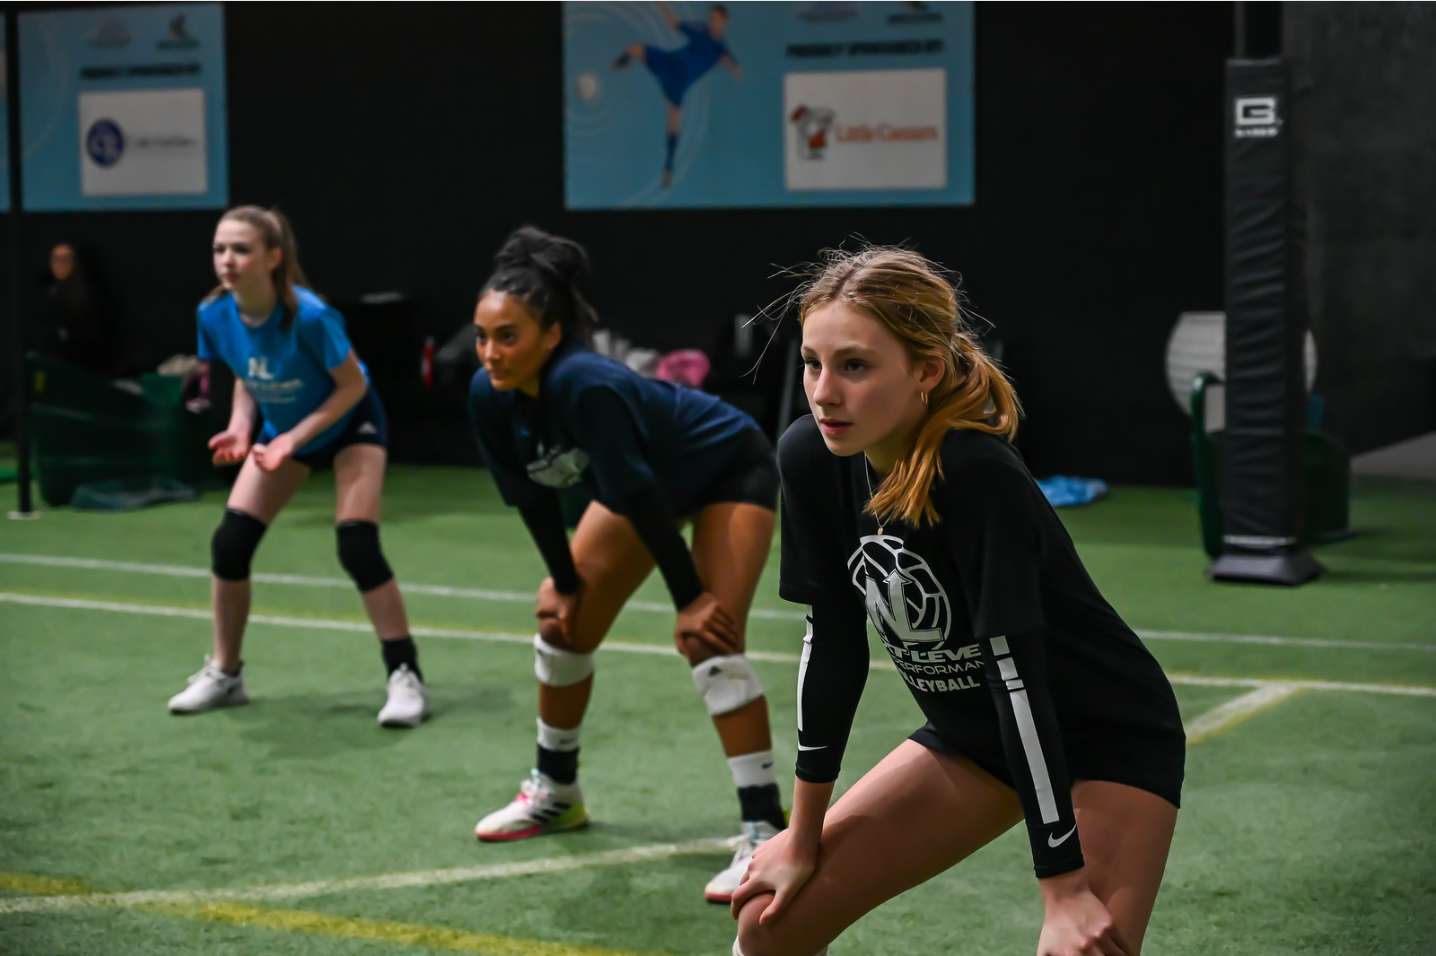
868, 475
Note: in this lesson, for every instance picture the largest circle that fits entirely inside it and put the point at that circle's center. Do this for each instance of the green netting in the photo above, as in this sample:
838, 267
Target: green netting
128, 494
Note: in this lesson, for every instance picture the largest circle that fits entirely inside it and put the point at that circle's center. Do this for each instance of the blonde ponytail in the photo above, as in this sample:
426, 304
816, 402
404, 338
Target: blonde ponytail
911, 296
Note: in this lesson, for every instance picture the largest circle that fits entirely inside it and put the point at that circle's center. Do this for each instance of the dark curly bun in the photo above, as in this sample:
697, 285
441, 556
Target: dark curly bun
542, 270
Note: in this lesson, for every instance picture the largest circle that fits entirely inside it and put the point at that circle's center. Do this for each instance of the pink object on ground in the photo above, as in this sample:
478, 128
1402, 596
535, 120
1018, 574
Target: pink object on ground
683, 367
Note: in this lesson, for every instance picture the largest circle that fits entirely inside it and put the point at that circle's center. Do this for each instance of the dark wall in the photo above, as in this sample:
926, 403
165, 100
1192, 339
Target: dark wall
406, 140
1365, 119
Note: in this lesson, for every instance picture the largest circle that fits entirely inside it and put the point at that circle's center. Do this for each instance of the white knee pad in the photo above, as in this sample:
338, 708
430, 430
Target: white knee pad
557, 667
726, 683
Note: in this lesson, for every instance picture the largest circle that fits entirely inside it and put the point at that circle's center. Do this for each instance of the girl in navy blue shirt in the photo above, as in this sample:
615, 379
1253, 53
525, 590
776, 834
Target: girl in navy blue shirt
551, 414
299, 381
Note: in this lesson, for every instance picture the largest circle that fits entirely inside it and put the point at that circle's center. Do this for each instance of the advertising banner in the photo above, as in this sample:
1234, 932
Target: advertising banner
692, 105
124, 108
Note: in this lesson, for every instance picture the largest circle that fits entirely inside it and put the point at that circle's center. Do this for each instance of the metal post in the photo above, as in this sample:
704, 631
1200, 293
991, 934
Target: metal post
14, 272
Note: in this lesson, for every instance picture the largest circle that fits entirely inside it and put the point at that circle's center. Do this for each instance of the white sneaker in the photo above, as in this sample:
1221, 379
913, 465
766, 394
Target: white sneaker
721, 888
542, 806
408, 703
209, 689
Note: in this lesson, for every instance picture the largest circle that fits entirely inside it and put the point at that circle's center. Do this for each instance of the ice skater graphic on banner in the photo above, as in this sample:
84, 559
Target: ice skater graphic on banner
678, 69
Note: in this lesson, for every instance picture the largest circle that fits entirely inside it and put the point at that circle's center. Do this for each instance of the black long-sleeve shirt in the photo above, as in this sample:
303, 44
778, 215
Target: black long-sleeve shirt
990, 618
641, 447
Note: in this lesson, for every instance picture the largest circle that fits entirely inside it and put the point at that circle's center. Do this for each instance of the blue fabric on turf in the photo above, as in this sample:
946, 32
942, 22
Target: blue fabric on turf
677, 70
599, 423
286, 372
1064, 490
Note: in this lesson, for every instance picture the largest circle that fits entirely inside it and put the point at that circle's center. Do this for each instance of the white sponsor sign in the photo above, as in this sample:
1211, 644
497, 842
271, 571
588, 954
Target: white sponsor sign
865, 129
142, 142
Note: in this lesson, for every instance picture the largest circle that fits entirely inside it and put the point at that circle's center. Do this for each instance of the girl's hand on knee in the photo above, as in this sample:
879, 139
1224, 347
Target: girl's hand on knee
779, 867
270, 456
229, 447
555, 609
1076, 921
707, 621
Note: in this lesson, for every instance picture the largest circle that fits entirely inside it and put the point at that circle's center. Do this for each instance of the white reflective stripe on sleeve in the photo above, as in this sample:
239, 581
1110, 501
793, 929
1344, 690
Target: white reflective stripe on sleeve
999, 646
1007, 668
1027, 728
803, 665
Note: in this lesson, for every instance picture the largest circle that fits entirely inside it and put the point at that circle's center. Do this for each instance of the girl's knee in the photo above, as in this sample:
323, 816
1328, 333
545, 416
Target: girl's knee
757, 939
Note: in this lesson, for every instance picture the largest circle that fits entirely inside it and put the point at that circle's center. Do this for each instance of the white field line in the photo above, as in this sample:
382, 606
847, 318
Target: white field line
388, 881
1280, 641
774, 657
300, 580
1238, 709
522, 597
1198, 729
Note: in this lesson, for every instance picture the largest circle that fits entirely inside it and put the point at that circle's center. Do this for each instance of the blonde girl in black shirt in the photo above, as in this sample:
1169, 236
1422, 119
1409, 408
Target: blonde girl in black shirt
905, 505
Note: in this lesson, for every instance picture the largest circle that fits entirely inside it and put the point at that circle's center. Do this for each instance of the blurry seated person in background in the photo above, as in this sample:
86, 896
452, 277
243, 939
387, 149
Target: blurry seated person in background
74, 318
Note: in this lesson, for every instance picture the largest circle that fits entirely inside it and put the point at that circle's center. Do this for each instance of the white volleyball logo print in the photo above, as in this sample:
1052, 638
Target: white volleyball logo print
905, 601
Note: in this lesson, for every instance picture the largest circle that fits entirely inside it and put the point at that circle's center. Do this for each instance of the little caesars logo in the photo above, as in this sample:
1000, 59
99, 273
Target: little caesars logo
910, 609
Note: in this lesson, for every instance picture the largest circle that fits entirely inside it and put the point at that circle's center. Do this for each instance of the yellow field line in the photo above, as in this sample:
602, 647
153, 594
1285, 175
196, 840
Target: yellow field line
321, 924
354, 927
42, 885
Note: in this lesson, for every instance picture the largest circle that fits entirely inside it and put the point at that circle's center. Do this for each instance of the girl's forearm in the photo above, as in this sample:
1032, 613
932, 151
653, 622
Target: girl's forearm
242, 410
342, 399
810, 805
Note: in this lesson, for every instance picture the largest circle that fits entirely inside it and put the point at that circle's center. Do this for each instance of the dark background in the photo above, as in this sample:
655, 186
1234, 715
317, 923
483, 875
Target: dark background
406, 140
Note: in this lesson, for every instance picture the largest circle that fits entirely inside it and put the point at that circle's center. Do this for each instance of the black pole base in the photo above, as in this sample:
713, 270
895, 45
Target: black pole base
1289, 569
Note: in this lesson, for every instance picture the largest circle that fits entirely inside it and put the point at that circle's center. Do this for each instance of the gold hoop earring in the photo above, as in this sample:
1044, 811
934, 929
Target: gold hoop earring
924, 398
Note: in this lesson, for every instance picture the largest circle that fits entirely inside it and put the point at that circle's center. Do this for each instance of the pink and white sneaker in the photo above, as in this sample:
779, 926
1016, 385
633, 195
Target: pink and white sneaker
542, 806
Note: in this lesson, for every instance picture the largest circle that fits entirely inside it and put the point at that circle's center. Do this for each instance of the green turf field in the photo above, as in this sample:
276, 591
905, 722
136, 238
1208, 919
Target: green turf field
1308, 827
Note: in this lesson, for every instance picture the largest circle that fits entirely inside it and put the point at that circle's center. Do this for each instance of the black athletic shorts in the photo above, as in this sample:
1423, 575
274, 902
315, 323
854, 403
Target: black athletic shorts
1152, 763
749, 477
366, 426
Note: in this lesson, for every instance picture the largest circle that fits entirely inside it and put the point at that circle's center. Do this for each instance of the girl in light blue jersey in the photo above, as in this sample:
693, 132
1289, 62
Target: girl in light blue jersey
298, 379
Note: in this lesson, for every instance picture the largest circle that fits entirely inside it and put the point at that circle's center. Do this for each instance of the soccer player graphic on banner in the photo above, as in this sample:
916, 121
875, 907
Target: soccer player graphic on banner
551, 414
677, 70
296, 373
906, 506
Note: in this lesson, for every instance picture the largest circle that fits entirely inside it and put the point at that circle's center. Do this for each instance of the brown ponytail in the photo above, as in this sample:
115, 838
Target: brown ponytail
275, 232
911, 296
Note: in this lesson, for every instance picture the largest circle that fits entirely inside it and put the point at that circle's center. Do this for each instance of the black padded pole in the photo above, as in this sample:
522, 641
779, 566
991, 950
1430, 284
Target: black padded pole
14, 305
1263, 476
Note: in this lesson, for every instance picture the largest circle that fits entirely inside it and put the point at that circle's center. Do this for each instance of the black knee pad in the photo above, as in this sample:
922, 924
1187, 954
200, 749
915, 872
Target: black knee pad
359, 553
233, 545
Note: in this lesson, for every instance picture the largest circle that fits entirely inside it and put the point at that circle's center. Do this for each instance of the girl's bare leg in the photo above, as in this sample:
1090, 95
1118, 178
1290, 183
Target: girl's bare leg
612, 562
1126, 834
918, 812
359, 490
260, 494
908, 819
731, 542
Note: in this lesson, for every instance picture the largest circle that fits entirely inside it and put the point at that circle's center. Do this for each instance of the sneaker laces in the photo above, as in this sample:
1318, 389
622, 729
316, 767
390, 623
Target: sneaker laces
749, 841
210, 670
403, 675
532, 789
